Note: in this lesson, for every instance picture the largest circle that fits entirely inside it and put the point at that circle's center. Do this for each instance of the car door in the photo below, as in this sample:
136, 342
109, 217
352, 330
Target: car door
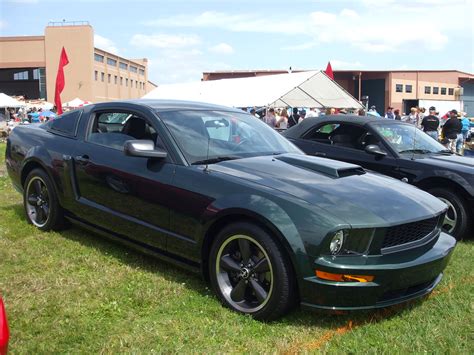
127, 195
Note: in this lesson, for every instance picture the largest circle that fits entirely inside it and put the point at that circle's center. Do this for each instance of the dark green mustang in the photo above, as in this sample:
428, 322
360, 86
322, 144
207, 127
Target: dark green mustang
218, 191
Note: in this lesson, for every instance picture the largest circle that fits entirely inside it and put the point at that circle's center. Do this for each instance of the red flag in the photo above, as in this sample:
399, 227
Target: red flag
60, 82
4, 333
329, 71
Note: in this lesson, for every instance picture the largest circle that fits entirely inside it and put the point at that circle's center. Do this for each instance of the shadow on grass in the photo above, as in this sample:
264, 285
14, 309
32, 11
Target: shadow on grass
148, 263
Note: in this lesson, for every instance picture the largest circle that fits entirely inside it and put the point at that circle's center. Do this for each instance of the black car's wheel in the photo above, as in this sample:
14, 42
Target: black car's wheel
456, 221
250, 273
40, 201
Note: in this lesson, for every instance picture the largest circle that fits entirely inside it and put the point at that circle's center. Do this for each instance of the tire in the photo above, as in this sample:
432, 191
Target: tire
457, 221
40, 201
264, 288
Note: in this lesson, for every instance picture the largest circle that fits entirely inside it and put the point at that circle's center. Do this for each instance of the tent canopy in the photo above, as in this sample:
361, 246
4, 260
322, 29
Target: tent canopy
77, 102
304, 89
7, 101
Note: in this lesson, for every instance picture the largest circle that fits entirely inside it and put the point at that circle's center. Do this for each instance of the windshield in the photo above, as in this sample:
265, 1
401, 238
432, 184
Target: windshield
405, 138
218, 135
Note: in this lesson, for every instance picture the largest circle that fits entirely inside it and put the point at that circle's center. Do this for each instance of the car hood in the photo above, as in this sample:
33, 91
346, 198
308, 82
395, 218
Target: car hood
341, 189
455, 162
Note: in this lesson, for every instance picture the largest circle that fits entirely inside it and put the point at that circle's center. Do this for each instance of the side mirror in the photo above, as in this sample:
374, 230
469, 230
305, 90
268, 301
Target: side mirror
143, 148
374, 149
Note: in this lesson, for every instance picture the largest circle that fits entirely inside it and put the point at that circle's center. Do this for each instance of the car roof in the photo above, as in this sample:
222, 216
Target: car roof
305, 125
176, 105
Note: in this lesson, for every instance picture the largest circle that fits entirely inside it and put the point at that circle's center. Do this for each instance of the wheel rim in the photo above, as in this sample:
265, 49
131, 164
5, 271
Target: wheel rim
451, 217
244, 273
37, 202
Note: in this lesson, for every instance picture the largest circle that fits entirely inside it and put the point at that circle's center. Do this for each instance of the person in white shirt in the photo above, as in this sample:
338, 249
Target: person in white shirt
312, 112
282, 122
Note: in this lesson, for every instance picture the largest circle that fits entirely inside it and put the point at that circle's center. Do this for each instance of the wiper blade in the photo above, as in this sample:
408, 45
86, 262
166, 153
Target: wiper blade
445, 151
215, 160
416, 151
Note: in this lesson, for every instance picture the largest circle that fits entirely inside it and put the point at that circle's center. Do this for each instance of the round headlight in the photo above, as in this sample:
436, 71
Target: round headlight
336, 242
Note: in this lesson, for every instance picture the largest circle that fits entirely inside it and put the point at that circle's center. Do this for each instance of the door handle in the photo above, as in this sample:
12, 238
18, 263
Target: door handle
82, 159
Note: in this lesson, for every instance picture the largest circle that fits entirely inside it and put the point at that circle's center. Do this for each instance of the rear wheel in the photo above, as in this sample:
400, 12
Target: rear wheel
250, 273
456, 221
40, 201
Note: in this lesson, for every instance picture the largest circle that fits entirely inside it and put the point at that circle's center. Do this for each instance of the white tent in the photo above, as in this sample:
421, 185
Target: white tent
304, 89
7, 101
77, 102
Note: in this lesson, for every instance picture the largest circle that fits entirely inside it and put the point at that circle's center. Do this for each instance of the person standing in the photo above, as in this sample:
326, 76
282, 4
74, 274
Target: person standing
464, 131
293, 119
412, 117
270, 118
397, 115
302, 116
389, 114
430, 123
282, 122
451, 129
312, 112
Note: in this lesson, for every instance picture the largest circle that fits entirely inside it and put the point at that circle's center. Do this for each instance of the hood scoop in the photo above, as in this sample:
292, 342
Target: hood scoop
329, 167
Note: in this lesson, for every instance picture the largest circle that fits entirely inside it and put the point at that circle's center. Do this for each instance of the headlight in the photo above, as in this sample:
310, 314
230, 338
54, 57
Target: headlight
337, 242
350, 241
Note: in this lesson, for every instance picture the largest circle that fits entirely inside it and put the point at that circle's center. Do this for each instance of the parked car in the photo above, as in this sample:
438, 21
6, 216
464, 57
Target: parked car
398, 150
4, 332
217, 191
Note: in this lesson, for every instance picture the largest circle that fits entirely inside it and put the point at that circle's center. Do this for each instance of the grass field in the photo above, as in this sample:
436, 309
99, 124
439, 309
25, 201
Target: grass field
76, 292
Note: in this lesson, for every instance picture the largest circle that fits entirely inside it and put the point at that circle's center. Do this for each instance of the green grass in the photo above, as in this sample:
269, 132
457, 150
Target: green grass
76, 292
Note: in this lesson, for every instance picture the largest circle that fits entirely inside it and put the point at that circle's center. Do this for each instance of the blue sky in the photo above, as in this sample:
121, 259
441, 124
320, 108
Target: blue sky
182, 39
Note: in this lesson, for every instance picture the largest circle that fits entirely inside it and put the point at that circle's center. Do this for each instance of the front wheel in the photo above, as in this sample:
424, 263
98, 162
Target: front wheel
250, 273
40, 201
456, 221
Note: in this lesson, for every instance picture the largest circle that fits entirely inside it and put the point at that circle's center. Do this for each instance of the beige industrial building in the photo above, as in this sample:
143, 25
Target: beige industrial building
402, 89
29, 65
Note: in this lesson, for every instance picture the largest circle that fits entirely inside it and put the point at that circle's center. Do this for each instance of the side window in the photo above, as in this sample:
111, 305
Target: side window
321, 134
66, 123
113, 129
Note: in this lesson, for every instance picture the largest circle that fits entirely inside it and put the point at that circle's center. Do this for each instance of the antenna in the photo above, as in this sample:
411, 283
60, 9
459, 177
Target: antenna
414, 142
206, 168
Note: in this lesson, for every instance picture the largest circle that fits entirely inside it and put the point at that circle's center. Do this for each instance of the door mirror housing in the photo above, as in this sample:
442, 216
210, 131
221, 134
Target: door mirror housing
143, 148
374, 149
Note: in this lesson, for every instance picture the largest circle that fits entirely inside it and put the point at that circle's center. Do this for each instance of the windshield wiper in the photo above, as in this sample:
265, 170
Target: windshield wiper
445, 151
215, 160
416, 151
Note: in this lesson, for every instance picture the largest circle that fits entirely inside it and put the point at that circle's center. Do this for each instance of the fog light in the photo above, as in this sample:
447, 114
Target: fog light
343, 277
336, 242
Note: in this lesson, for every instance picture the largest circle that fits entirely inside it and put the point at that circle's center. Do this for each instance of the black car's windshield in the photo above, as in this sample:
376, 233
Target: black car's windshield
405, 138
213, 136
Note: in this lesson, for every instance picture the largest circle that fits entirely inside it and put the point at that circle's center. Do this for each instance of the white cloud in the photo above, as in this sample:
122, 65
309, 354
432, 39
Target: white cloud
222, 48
165, 40
23, 1
3, 24
341, 64
299, 47
105, 44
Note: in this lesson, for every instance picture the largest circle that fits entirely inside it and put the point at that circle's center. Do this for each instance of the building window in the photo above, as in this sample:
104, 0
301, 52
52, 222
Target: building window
443, 91
102, 76
121, 81
131, 83
427, 89
111, 62
136, 84
109, 77
115, 79
408, 88
142, 72
96, 75
123, 65
133, 69
126, 82
36, 74
435, 90
23, 75
450, 91
98, 58
399, 88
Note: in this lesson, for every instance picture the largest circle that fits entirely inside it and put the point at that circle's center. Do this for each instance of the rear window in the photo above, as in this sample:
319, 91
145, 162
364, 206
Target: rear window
66, 123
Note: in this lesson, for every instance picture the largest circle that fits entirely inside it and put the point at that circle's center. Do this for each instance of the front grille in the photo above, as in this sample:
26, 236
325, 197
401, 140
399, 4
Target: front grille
410, 232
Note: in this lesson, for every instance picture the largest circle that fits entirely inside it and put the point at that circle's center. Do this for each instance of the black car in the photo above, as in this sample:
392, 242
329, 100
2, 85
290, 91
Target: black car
218, 191
399, 150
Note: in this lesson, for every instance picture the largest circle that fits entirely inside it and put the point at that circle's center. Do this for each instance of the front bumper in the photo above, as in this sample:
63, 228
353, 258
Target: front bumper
399, 277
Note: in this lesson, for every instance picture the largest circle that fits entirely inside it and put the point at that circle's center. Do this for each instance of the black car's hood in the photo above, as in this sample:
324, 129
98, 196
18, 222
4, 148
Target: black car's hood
455, 162
367, 199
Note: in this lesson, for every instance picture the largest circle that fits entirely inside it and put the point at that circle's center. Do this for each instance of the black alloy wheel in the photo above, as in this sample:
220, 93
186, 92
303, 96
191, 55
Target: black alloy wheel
40, 201
250, 273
